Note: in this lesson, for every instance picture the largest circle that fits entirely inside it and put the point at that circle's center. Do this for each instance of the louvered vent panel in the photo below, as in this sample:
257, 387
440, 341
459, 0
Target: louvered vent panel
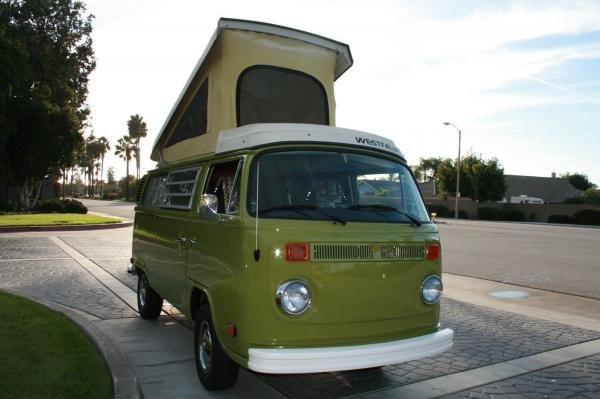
140, 189
342, 252
403, 251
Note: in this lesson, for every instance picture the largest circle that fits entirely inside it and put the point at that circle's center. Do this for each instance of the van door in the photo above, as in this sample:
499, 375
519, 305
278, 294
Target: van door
171, 228
217, 236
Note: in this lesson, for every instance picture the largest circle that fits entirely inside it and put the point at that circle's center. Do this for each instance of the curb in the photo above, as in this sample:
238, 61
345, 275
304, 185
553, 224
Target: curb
585, 226
124, 382
74, 227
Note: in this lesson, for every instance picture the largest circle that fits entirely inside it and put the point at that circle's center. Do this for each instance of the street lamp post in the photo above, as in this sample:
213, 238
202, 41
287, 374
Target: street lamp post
457, 171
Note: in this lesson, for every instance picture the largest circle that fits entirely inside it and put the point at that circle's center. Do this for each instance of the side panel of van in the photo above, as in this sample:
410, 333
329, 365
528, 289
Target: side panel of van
170, 255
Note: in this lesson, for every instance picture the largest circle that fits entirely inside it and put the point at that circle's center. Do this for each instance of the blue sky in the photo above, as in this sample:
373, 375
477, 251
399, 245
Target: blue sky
520, 78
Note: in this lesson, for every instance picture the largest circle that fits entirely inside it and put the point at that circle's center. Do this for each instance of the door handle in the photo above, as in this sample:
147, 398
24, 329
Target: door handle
182, 240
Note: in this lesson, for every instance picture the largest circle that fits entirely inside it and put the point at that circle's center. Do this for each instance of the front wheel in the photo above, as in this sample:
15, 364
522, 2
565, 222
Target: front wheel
215, 369
149, 302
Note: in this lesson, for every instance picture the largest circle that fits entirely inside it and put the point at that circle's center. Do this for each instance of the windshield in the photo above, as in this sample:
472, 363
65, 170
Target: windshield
336, 186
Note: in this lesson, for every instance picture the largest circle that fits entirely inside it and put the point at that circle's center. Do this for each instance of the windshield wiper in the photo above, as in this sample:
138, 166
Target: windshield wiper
299, 208
384, 208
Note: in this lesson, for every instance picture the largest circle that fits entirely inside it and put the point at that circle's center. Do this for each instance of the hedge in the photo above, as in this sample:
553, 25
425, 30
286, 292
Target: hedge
60, 206
504, 214
587, 217
443, 212
563, 219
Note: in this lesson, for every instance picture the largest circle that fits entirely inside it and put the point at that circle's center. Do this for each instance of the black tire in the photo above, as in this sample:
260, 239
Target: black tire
215, 369
149, 302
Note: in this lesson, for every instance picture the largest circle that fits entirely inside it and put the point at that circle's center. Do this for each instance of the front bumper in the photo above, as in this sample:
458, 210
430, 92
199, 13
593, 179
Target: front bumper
317, 360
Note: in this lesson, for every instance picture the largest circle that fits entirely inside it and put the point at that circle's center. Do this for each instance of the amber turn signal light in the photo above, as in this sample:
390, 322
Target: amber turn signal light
296, 252
432, 251
231, 330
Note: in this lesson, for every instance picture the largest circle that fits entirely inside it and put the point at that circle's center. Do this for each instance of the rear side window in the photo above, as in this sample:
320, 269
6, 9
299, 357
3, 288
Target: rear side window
153, 196
267, 94
174, 190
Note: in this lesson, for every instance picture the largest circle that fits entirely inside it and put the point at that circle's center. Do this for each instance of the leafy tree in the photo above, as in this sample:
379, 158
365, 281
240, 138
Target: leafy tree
446, 178
479, 179
591, 196
125, 149
137, 130
579, 181
427, 168
492, 185
45, 59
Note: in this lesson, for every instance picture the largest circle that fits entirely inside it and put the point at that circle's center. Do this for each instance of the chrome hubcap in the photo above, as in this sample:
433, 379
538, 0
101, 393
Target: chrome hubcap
205, 346
143, 291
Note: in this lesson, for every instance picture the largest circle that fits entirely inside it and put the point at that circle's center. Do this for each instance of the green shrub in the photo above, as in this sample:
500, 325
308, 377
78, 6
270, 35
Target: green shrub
7, 206
563, 219
591, 196
505, 214
587, 217
60, 206
49, 206
74, 206
111, 196
461, 214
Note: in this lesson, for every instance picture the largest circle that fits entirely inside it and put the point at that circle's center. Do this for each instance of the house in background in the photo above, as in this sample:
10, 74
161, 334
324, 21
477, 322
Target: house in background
552, 190
524, 190
427, 189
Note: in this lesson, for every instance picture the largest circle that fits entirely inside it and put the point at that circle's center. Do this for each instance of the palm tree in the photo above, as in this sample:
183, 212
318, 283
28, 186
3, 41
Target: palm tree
103, 148
137, 130
125, 148
86, 163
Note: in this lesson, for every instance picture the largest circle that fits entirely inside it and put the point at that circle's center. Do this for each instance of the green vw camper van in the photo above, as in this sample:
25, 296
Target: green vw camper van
295, 246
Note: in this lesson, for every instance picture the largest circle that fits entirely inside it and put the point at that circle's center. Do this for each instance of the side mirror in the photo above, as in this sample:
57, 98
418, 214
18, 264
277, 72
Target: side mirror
209, 205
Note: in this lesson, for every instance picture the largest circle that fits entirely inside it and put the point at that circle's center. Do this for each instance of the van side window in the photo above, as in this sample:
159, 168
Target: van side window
179, 188
193, 122
224, 182
154, 195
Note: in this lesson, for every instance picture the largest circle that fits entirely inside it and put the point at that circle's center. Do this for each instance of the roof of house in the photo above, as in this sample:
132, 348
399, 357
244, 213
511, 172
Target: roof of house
550, 189
427, 188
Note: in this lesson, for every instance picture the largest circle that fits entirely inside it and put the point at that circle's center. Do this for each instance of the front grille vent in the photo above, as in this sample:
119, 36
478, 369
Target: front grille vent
367, 252
407, 251
333, 252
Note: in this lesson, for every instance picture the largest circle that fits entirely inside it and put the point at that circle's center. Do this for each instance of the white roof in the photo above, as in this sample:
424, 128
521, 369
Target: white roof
261, 134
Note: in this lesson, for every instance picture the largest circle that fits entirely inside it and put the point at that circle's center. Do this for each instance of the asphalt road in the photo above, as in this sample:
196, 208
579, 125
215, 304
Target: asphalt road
116, 208
556, 258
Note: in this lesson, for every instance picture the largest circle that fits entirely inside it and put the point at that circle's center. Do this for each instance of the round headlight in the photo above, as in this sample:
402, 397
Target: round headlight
431, 289
293, 296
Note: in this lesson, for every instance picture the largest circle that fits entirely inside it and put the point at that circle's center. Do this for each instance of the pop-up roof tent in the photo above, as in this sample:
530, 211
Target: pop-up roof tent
252, 72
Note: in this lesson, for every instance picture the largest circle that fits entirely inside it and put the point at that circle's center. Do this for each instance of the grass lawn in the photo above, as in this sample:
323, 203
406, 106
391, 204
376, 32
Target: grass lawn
53, 219
44, 355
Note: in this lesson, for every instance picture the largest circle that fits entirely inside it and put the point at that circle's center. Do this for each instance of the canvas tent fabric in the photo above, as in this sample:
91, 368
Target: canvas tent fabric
236, 48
